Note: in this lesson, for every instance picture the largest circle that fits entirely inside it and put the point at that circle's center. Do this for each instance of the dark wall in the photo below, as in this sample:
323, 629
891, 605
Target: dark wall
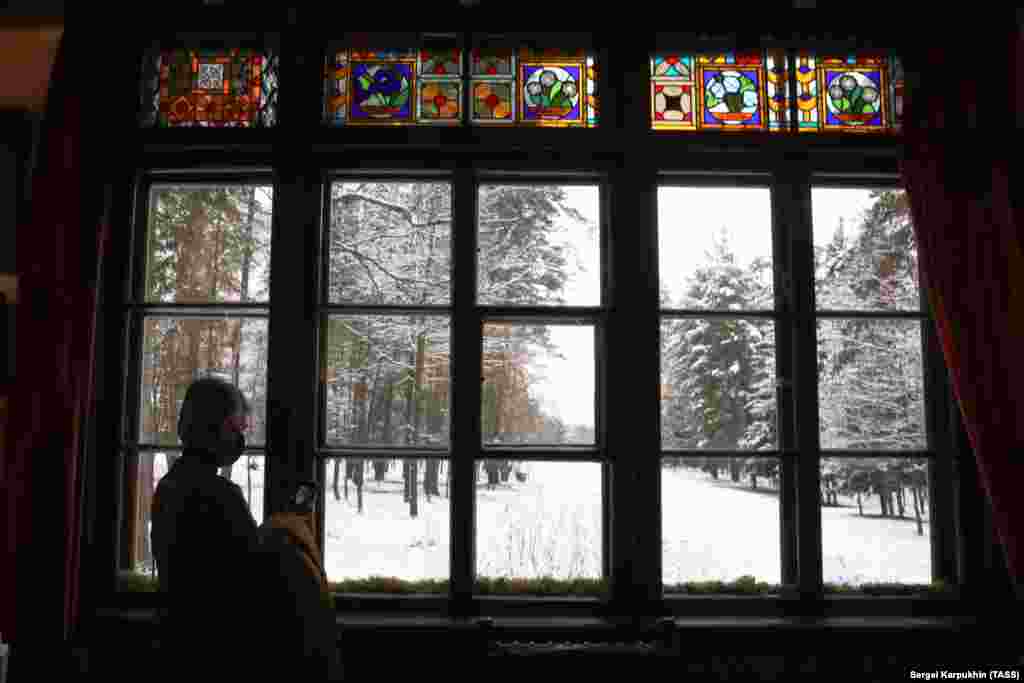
17, 142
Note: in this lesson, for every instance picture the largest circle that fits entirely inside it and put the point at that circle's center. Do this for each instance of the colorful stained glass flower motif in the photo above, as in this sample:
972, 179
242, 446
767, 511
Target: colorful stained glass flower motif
426, 86
493, 101
382, 90
551, 92
440, 100
211, 88
853, 99
860, 92
731, 98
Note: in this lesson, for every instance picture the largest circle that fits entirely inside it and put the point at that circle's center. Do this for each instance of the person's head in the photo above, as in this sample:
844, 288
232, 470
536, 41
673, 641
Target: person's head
214, 418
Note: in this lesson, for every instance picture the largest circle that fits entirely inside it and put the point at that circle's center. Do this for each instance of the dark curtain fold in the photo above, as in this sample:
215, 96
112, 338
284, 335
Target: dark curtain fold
962, 133
59, 255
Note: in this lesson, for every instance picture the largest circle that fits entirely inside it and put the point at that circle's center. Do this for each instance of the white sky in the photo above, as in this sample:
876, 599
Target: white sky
687, 220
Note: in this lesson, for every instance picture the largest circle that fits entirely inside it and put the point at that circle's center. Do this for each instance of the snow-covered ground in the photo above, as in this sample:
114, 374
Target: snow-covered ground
551, 525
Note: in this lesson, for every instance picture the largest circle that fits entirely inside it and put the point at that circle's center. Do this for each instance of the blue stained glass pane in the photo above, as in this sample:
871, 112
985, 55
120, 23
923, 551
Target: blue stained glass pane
554, 96
728, 99
382, 91
849, 92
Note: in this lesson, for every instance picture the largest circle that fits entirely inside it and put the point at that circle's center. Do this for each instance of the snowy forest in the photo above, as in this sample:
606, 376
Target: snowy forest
386, 377
718, 375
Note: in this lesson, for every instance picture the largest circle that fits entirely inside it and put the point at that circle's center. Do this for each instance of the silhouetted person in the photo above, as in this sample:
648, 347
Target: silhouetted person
235, 606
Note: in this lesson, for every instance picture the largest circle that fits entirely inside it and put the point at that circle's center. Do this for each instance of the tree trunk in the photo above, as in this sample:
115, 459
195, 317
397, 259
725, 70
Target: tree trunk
492, 474
405, 481
414, 502
337, 470
753, 480
735, 470
860, 504
358, 472
421, 341
917, 511
389, 401
431, 476
900, 501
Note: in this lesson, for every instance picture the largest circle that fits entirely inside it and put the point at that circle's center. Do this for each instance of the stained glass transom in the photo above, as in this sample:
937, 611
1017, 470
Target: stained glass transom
742, 91
210, 88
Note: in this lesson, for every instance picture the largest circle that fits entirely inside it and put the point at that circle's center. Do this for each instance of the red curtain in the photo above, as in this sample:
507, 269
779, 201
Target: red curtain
960, 128
59, 254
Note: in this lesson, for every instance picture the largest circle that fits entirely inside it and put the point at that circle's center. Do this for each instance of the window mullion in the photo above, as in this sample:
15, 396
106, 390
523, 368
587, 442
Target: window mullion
292, 373
796, 188
631, 363
782, 207
466, 330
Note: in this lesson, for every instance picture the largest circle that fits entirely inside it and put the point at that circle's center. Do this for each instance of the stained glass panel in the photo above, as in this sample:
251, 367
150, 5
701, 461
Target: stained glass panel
727, 91
394, 86
534, 87
528, 86
210, 88
854, 93
861, 92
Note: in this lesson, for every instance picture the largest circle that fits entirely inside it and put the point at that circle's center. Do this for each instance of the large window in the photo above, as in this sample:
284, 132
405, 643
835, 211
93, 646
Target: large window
462, 342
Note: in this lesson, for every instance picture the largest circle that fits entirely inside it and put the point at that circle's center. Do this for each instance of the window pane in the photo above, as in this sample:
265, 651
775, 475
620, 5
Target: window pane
390, 243
865, 250
176, 351
538, 245
247, 472
538, 519
715, 247
718, 383
208, 243
720, 519
538, 384
386, 380
219, 87
875, 520
870, 384
386, 517
729, 91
